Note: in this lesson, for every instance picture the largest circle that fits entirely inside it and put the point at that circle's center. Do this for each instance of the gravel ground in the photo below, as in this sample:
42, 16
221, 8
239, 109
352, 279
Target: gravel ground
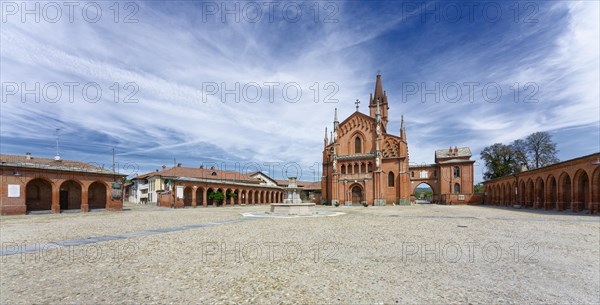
409, 254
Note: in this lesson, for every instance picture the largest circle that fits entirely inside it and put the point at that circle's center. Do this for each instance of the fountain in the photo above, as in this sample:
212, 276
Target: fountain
292, 204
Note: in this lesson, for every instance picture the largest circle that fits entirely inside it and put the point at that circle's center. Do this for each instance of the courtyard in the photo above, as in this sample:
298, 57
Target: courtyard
394, 254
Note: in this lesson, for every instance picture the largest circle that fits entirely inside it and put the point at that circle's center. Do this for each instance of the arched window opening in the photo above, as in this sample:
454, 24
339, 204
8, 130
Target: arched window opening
456, 172
456, 188
391, 179
357, 145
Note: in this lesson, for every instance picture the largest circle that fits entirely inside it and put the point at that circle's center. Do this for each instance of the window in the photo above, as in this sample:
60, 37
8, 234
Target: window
391, 179
343, 169
357, 145
412, 174
456, 172
435, 173
213, 174
424, 174
370, 167
456, 188
356, 170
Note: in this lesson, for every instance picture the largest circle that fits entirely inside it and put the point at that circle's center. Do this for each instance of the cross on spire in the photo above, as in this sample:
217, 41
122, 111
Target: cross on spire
357, 103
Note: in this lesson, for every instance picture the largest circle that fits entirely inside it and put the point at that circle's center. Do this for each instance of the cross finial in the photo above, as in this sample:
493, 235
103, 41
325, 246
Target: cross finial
356, 103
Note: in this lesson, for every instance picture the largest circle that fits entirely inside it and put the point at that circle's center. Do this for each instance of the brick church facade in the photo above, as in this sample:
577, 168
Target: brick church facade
365, 164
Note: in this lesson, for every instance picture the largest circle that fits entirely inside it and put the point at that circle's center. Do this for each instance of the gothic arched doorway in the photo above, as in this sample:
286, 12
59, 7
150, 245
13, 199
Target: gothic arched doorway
356, 194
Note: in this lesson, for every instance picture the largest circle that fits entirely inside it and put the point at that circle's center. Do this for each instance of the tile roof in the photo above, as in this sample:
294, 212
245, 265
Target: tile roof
445, 153
206, 173
307, 185
51, 164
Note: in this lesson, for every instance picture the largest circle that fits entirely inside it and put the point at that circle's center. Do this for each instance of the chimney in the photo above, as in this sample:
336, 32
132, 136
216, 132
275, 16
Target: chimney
212, 167
455, 151
201, 166
163, 167
178, 164
450, 151
28, 156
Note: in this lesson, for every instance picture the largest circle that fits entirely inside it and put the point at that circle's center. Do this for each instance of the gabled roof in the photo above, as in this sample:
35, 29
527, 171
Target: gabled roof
51, 164
357, 113
255, 174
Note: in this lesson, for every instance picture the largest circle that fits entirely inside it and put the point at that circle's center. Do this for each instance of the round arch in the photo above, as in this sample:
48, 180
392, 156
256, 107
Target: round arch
209, 200
200, 197
529, 193
38, 195
564, 191
352, 145
70, 195
434, 196
596, 189
357, 193
581, 190
539, 199
551, 193
187, 196
521, 193
97, 197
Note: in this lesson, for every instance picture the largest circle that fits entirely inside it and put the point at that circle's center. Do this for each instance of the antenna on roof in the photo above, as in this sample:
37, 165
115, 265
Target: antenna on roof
57, 133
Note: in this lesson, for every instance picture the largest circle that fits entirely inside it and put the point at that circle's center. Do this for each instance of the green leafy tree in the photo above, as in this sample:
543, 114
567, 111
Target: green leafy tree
498, 160
216, 197
478, 188
537, 150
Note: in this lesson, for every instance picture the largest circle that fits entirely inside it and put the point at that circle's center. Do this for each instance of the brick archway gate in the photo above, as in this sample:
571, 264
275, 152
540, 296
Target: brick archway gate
435, 196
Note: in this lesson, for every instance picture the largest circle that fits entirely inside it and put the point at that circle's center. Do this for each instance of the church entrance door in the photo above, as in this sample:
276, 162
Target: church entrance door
357, 195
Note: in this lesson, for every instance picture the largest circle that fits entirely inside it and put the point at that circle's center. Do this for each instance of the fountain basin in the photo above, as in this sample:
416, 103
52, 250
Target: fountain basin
301, 209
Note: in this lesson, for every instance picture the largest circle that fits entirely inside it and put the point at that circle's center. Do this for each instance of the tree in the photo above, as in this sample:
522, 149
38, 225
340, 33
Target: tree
498, 160
478, 188
216, 196
519, 149
542, 150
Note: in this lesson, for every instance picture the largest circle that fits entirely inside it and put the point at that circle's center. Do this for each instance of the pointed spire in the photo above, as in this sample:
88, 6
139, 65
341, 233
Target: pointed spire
331, 137
335, 117
402, 131
378, 88
326, 140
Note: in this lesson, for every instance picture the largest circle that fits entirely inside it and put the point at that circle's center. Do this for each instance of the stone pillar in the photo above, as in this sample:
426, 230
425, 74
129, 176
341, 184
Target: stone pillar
204, 203
194, 196
84, 199
55, 198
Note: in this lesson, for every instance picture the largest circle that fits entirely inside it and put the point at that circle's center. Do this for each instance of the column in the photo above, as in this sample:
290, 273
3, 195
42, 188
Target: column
194, 196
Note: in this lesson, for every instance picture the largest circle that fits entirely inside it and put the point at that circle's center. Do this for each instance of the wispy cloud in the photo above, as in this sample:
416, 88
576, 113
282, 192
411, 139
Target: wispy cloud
171, 55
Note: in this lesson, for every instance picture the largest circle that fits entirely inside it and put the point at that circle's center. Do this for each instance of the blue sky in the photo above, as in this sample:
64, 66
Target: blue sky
172, 60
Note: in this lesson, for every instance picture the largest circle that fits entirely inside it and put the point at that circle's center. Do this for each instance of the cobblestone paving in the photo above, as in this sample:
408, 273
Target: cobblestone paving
409, 254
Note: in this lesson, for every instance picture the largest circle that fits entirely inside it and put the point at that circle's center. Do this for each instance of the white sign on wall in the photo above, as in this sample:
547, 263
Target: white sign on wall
180, 192
14, 190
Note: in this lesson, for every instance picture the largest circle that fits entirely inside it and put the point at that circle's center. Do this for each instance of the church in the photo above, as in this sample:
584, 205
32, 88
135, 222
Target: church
364, 164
